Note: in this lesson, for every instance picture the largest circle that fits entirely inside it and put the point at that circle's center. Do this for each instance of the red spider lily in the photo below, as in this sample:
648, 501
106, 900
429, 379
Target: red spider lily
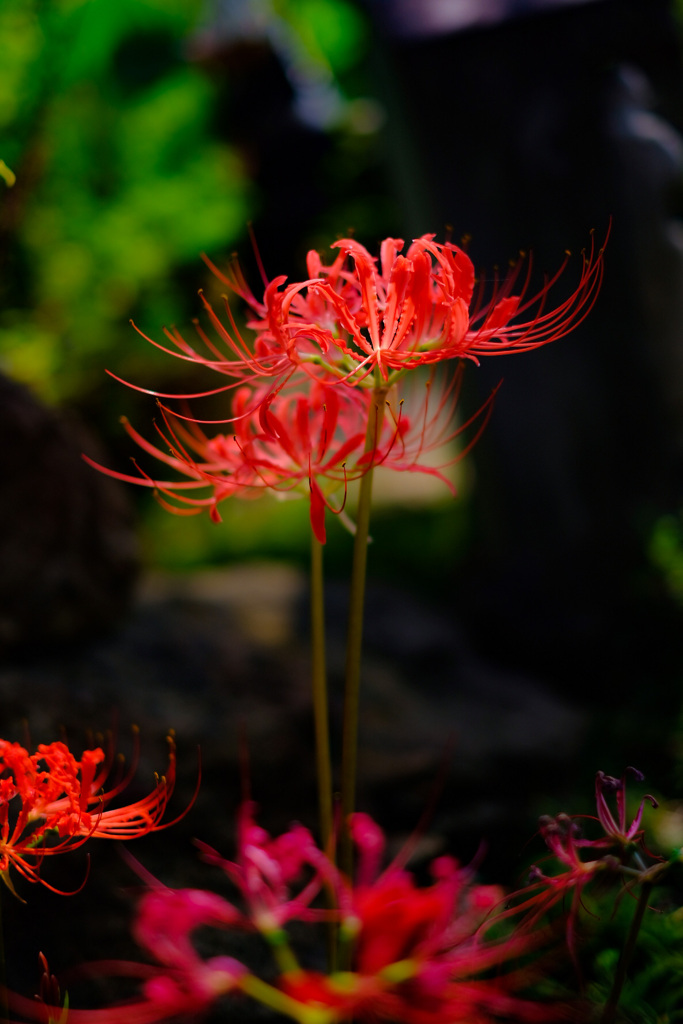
418, 956
308, 437
351, 317
413, 310
617, 853
300, 438
562, 836
50, 795
416, 952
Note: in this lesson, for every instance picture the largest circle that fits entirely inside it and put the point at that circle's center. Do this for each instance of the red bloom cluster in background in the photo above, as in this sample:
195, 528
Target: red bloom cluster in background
618, 853
328, 361
51, 802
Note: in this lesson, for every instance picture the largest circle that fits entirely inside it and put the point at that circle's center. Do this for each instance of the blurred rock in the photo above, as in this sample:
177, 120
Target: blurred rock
222, 658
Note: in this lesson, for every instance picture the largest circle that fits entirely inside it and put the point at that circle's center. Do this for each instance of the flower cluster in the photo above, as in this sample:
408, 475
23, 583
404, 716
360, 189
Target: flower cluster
51, 802
618, 853
324, 393
317, 397
417, 955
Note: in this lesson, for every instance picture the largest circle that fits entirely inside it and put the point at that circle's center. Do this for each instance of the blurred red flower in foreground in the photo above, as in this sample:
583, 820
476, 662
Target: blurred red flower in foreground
415, 955
51, 802
418, 954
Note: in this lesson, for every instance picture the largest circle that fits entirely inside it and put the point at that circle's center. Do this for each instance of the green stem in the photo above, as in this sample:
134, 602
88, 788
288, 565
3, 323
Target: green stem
282, 1003
320, 709
282, 951
354, 639
609, 1013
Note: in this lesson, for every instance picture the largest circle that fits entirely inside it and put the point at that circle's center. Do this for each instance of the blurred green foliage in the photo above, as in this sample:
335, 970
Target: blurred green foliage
128, 166
653, 992
123, 174
120, 182
332, 32
666, 552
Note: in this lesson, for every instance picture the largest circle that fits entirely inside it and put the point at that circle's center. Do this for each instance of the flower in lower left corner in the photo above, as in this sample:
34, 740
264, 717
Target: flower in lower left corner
51, 802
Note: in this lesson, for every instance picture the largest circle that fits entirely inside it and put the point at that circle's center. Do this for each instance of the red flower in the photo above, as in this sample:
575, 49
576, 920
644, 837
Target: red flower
352, 317
417, 952
617, 853
51, 802
308, 437
413, 310
302, 412
416, 955
563, 838
304, 437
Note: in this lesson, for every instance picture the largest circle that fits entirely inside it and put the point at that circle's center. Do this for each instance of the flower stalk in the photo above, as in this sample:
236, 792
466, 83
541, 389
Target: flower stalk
279, 1001
609, 1012
354, 640
320, 700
